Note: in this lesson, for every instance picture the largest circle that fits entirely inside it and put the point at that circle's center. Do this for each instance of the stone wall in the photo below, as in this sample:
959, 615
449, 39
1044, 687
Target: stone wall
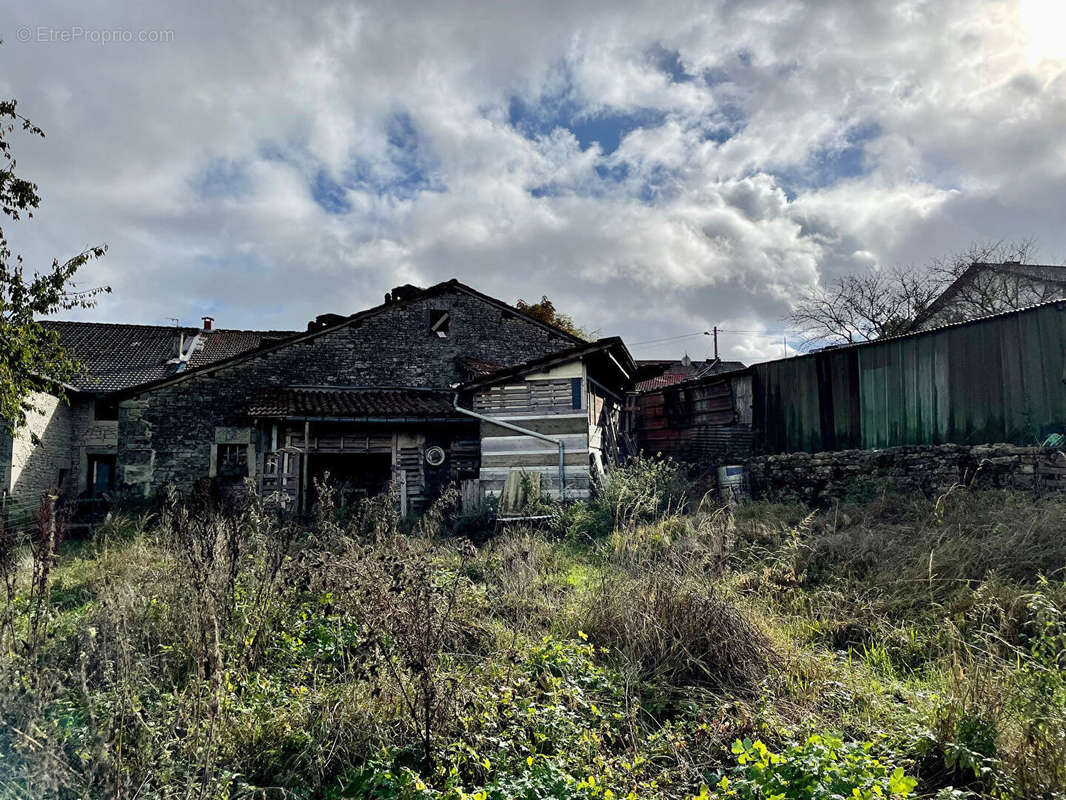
821, 477
41, 448
166, 434
90, 436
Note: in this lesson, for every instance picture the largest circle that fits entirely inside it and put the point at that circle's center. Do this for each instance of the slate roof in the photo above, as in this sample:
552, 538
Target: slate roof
118, 356
352, 403
398, 297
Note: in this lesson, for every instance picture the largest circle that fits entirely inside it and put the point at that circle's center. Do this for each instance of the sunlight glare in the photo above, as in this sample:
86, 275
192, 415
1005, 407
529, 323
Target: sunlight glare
1044, 21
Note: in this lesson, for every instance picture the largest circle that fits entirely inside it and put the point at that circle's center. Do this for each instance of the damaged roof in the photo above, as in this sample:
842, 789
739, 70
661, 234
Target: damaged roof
118, 356
674, 372
353, 404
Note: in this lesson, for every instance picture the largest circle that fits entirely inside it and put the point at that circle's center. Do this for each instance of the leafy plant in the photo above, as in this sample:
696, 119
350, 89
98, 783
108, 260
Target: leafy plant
641, 490
822, 767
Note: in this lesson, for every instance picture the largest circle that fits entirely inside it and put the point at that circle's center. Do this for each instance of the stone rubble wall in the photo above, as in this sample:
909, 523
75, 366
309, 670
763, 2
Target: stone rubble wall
165, 435
822, 477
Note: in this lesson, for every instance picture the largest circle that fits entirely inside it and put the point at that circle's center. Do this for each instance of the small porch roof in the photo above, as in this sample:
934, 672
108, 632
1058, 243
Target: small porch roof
353, 404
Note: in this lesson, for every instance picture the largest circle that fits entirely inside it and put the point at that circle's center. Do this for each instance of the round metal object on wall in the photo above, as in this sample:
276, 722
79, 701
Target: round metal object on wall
435, 456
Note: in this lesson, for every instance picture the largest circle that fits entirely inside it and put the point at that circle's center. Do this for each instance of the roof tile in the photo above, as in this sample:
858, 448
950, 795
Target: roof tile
352, 403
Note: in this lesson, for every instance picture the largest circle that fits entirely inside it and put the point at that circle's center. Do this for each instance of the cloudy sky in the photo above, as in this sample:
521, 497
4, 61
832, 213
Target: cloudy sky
654, 168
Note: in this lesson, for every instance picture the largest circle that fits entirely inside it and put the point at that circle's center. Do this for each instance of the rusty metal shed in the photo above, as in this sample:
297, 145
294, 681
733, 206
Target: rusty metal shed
995, 379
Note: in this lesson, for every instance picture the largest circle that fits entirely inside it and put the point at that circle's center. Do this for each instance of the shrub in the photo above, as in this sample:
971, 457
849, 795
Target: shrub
640, 490
676, 630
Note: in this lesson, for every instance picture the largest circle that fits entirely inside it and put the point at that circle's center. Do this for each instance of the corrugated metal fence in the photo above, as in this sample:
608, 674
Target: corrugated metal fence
999, 379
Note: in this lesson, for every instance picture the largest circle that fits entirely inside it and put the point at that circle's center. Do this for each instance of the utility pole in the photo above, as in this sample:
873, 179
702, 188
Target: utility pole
715, 329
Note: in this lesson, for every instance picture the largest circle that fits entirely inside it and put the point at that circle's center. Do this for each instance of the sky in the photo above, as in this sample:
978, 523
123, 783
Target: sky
654, 168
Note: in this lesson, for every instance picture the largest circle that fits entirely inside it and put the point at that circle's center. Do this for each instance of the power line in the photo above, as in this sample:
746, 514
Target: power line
671, 338
767, 331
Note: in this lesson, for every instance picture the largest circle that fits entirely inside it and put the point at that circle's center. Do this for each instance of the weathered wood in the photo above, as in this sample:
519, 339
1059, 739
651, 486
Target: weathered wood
575, 458
550, 426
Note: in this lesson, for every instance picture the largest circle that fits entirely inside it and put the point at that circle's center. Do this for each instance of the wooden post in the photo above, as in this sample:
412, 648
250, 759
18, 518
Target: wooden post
303, 467
401, 479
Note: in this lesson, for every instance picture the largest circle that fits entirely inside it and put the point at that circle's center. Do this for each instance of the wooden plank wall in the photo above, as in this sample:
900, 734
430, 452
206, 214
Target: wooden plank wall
552, 396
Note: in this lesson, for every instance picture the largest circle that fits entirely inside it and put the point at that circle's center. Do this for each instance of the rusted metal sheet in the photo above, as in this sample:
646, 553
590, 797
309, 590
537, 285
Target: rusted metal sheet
696, 421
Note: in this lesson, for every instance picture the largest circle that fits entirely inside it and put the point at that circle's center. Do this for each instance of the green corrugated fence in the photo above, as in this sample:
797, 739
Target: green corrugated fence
999, 379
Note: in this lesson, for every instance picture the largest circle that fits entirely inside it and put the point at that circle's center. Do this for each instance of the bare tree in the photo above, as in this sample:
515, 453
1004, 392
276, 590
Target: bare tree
859, 308
992, 291
879, 302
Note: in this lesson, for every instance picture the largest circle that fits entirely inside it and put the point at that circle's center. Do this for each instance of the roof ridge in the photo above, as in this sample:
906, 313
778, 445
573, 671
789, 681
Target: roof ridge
451, 283
101, 323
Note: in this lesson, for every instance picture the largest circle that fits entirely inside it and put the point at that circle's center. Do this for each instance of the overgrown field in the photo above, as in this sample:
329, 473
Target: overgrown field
647, 645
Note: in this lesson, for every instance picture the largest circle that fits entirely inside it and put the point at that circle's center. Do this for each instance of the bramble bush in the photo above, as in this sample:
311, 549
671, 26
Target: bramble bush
642, 489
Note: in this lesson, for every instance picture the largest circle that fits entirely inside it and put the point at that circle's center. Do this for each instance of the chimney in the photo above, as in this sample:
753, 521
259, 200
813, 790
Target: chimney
207, 322
401, 293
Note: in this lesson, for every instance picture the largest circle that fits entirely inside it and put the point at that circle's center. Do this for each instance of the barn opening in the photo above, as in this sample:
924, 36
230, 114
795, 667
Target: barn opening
354, 476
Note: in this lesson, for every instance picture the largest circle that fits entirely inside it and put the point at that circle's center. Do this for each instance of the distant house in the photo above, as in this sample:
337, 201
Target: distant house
433, 386
985, 289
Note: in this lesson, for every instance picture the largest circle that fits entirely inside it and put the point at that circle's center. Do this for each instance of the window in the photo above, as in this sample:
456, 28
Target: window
575, 392
105, 408
439, 323
232, 460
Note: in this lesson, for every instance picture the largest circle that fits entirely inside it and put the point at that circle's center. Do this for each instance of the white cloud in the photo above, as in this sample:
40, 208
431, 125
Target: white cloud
779, 142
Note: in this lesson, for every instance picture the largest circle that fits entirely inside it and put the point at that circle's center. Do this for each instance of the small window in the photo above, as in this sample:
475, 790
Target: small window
439, 323
233, 460
105, 409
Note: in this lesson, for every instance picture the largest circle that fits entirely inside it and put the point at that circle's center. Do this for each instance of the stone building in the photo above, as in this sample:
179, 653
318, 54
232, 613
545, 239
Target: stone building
372, 399
383, 396
72, 444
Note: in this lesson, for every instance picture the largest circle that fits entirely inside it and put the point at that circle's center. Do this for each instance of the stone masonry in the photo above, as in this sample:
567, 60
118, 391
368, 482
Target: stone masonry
165, 434
823, 477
